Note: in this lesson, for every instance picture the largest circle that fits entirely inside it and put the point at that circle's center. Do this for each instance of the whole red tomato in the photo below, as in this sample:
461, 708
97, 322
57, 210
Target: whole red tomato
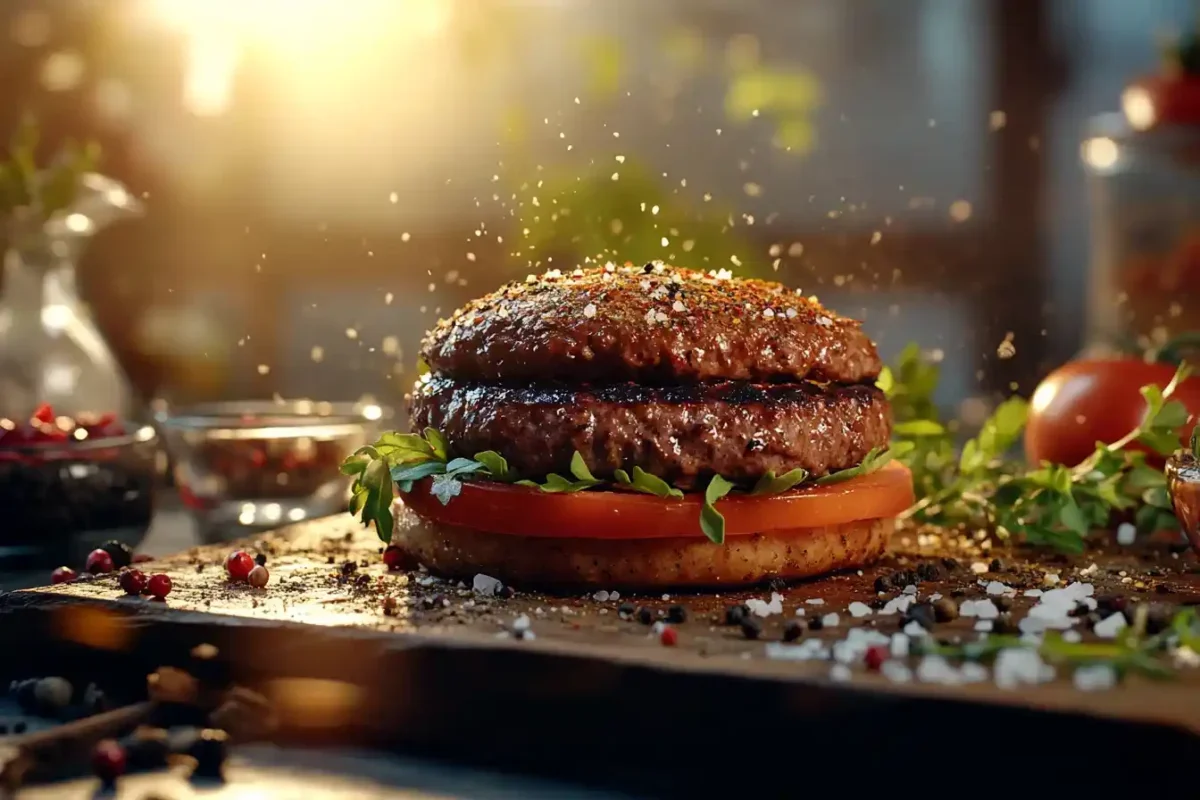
1085, 402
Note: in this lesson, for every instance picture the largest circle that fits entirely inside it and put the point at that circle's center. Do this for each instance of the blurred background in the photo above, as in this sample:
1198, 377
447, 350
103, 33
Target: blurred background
323, 179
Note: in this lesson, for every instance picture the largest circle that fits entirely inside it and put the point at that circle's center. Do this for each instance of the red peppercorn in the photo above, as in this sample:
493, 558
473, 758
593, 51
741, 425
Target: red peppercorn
159, 586
669, 636
108, 760
238, 565
98, 562
875, 656
44, 414
133, 581
63, 575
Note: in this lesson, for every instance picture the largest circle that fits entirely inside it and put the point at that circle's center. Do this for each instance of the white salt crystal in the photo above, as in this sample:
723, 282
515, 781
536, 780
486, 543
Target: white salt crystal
486, 584
984, 625
799, 612
979, 567
1109, 627
973, 672
897, 605
935, 669
914, 628
981, 609
614, 596
521, 623
935, 596
1094, 677
1033, 592
815, 601
910, 589
1126, 533
839, 672
998, 588
808, 650
1015, 667
830, 620
762, 608
1072, 636
601, 596
900, 645
896, 671
1050, 578
858, 610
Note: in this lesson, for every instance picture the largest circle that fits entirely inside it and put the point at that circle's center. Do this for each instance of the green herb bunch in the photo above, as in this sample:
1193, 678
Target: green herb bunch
1132, 652
32, 194
980, 487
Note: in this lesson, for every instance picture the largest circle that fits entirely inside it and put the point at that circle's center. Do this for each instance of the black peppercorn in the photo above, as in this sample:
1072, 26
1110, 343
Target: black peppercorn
883, 584
348, 568
944, 609
751, 627
209, 750
816, 624
677, 614
1004, 624
19, 727
923, 614
645, 615
735, 614
626, 610
928, 571
792, 630
122, 556
147, 749
648, 268
951, 564
506, 592
1003, 602
261, 559
996, 565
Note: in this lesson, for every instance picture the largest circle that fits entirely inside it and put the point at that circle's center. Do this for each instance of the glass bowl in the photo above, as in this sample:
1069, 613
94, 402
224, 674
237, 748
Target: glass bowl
63, 498
247, 465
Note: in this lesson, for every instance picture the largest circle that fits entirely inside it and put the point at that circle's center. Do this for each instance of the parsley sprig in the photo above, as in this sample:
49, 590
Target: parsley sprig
1053, 505
400, 460
1132, 652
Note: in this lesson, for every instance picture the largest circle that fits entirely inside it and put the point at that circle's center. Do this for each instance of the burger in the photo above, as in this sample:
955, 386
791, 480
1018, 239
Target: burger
641, 427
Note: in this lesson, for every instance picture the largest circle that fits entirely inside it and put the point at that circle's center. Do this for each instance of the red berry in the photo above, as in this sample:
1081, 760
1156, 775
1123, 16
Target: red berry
669, 636
133, 581
238, 565
108, 760
44, 414
394, 558
99, 562
159, 586
875, 656
63, 575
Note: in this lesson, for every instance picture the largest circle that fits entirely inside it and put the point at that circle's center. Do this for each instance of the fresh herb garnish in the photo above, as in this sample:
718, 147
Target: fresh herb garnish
643, 481
981, 488
769, 484
1195, 447
876, 459
1131, 652
711, 520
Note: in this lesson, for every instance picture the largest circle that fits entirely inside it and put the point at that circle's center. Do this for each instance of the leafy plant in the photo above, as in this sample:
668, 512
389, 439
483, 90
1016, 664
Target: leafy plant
33, 193
1053, 505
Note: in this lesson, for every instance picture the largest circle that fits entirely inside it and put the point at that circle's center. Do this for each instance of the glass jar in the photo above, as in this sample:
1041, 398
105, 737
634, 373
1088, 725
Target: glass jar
50, 349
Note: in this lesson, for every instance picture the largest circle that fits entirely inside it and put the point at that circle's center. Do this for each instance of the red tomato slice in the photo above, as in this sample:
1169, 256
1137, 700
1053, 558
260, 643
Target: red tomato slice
1085, 402
524, 511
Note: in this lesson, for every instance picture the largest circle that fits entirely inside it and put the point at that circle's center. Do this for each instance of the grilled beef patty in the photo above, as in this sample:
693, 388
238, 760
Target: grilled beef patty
653, 325
683, 434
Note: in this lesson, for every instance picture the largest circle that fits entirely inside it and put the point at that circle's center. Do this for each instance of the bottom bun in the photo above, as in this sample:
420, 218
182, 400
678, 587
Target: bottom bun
641, 563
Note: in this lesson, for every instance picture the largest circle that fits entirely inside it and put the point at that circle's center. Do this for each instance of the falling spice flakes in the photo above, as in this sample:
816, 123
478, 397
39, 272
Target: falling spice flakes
263, 369
1007, 349
318, 354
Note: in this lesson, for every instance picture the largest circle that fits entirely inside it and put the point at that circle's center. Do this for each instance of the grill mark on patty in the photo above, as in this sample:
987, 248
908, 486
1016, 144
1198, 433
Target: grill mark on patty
684, 434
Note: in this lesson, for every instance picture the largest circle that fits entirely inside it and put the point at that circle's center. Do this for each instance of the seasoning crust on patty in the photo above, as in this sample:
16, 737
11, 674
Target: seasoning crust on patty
683, 434
652, 325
